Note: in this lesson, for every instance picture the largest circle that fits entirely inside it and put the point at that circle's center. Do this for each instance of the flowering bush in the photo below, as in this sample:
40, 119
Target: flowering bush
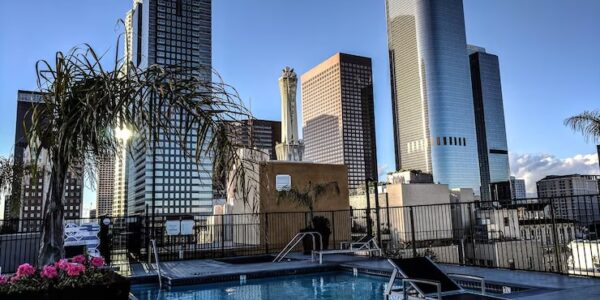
78, 271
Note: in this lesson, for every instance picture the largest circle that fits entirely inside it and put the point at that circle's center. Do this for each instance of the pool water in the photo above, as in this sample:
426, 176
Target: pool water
336, 285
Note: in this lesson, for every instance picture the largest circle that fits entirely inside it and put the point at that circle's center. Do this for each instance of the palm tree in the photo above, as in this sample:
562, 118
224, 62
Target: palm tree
84, 103
308, 197
587, 123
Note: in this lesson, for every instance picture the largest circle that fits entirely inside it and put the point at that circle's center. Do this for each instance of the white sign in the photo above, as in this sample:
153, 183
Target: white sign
187, 227
173, 227
283, 182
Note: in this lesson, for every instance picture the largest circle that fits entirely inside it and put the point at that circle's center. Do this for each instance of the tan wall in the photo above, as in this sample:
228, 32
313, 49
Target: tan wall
282, 227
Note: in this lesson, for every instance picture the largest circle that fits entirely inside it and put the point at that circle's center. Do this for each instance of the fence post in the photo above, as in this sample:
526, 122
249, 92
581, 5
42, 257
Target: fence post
222, 235
333, 227
555, 237
412, 231
266, 233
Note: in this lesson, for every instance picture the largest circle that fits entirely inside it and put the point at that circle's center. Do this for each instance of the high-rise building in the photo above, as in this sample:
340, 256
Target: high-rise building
105, 186
120, 179
291, 147
257, 134
32, 189
489, 119
338, 118
432, 99
575, 197
160, 175
517, 188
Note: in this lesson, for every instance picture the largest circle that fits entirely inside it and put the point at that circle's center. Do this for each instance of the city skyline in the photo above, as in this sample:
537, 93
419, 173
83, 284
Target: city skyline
560, 141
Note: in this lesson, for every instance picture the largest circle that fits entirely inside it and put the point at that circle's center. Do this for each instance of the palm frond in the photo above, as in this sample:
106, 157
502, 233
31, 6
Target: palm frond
586, 123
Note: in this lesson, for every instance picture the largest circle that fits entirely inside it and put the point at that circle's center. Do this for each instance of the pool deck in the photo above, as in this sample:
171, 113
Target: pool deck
544, 285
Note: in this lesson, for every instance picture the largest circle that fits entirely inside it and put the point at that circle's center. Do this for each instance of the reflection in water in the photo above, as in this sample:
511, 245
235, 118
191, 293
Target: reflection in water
313, 286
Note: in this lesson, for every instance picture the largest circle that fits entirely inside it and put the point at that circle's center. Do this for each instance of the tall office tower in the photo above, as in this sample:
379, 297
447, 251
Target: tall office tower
432, 100
517, 188
262, 135
338, 118
489, 119
32, 190
120, 179
161, 176
291, 147
575, 197
105, 186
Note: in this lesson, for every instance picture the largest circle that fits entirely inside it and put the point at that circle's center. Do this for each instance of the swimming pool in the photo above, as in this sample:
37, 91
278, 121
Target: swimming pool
331, 285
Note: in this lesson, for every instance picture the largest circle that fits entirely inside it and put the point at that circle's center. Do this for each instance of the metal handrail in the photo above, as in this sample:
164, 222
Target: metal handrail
297, 238
153, 248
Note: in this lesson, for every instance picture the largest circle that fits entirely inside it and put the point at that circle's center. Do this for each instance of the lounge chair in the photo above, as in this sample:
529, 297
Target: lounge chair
422, 278
366, 243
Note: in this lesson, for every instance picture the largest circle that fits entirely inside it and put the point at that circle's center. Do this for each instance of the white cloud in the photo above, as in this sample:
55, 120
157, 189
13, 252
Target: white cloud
533, 167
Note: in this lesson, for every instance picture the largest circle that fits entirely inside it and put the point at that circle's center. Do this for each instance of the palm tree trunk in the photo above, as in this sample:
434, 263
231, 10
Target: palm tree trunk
52, 239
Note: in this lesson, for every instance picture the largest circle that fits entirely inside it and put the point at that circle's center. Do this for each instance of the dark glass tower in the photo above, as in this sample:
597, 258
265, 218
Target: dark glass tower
170, 32
489, 119
32, 190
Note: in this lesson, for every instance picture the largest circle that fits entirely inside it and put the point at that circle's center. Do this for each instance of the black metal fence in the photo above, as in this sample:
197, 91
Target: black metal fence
549, 235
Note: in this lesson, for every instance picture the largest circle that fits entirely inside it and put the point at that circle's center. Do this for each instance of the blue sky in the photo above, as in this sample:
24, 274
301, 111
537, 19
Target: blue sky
548, 53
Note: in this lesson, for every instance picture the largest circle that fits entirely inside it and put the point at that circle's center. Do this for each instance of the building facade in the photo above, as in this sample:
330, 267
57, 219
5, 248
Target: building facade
105, 187
575, 197
432, 101
262, 135
338, 118
517, 188
161, 177
489, 119
31, 189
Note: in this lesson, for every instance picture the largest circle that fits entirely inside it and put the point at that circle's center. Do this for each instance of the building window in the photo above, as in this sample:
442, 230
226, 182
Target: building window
506, 222
445, 143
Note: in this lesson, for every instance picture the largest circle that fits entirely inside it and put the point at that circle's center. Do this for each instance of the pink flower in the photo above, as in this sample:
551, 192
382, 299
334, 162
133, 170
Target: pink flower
25, 270
80, 259
49, 272
75, 270
3, 280
15, 278
62, 264
97, 261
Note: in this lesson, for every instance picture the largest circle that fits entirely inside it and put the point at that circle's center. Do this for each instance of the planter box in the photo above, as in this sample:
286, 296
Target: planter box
118, 289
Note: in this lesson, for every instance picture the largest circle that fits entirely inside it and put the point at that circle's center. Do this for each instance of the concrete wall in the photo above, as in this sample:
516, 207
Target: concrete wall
282, 227
430, 222
275, 221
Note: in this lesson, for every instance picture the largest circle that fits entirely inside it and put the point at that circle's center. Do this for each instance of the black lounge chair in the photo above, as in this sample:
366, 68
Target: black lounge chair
427, 280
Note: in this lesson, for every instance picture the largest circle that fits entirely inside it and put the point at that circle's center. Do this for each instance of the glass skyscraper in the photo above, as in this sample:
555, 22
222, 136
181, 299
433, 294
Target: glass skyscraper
489, 119
169, 32
434, 126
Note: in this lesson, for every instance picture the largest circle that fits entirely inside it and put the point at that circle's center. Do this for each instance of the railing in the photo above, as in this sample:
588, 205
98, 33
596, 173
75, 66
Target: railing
557, 235
297, 239
158, 271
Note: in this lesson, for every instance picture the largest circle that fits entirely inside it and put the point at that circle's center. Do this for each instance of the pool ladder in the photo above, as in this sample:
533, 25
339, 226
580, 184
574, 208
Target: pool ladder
157, 268
297, 238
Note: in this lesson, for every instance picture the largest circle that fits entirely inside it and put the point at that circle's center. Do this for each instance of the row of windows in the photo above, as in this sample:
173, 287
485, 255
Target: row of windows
452, 140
